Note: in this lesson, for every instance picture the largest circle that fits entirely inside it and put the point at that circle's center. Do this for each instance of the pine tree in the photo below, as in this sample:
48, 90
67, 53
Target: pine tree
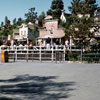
76, 6
7, 27
14, 21
82, 21
2, 24
56, 8
19, 21
82, 18
41, 18
6, 20
83, 6
31, 16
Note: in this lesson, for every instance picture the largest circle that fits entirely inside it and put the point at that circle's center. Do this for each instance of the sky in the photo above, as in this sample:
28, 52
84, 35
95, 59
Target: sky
17, 8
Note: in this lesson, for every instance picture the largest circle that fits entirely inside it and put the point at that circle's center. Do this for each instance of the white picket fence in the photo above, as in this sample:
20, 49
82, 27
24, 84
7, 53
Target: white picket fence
34, 52
37, 52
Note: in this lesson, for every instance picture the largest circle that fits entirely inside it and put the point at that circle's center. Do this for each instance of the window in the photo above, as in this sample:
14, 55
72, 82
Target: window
16, 33
24, 33
21, 32
51, 30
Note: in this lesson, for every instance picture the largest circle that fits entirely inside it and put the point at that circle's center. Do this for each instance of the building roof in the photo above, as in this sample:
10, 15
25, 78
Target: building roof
48, 17
30, 26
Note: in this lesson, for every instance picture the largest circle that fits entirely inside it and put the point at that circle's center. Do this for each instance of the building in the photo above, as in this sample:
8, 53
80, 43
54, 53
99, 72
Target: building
24, 33
51, 31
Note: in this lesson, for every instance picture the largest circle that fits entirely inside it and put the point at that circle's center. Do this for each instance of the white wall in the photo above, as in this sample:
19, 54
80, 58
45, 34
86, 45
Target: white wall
23, 32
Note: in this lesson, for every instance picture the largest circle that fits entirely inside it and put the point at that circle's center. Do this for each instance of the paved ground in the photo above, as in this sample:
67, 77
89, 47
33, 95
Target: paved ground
49, 81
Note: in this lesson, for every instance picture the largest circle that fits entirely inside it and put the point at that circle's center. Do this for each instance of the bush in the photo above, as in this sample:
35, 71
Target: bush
89, 60
73, 56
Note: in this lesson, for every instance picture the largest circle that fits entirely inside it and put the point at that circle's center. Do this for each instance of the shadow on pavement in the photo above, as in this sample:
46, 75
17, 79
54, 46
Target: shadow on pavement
34, 88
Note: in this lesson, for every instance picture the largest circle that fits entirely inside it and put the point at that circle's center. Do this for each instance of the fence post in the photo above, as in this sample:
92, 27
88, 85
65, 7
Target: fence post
52, 54
27, 54
40, 55
0, 53
16, 52
64, 52
32, 54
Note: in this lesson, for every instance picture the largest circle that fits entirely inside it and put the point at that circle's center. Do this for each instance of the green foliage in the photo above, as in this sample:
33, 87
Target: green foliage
83, 6
66, 25
2, 24
56, 8
81, 25
33, 42
89, 59
76, 6
73, 56
6, 20
68, 22
20, 21
7, 28
41, 18
14, 21
31, 16
35, 32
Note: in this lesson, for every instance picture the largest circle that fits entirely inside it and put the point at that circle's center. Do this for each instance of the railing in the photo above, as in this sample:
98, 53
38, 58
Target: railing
39, 52
35, 53
91, 57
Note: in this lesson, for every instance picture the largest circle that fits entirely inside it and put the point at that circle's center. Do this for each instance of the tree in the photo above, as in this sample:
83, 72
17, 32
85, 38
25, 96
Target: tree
83, 6
14, 21
82, 20
20, 21
14, 25
68, 22
35, 34
31, 16
56, 8
2, 24
41, 18
6, 20
7, 27
82, 17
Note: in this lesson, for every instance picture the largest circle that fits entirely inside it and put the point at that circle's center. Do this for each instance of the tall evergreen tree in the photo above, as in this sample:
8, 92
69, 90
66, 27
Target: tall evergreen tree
76, 6
2, 24
6, 20
56, 8
41, 18
7, 27
19, 21
82, 20
83, 7
14, 21
31, 16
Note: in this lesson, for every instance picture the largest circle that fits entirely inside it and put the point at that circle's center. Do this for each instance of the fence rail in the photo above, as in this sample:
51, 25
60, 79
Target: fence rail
35, 53
91, 56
